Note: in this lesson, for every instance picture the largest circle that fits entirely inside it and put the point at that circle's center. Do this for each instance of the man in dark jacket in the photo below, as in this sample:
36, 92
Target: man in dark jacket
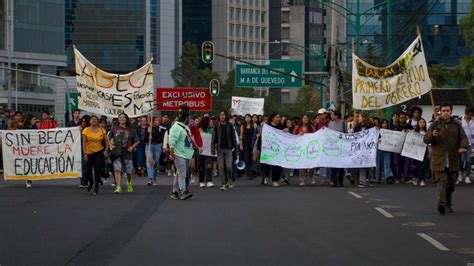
224, 144
448, 141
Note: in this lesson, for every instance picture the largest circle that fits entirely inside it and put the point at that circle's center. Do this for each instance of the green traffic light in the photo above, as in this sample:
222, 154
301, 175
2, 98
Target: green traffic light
207, 57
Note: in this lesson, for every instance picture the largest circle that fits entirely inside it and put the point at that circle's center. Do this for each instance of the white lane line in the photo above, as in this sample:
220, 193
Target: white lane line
433, 242
354, 194
384, 212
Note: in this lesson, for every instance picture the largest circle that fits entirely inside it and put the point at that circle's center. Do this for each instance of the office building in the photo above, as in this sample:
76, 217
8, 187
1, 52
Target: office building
197, 23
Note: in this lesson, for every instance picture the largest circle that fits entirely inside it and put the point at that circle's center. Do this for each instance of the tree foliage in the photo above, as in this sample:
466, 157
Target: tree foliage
440, 76
465, 68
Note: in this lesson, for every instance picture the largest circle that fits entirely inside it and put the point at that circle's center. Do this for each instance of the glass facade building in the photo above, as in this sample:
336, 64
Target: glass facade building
197, 23
438, 21
110, 33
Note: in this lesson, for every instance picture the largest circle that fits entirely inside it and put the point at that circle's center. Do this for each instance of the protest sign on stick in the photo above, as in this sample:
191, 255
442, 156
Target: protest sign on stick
414, 146
244, 105
391, 140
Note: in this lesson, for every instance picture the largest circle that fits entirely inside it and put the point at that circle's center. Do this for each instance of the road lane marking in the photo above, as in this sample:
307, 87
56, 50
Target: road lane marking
354, 194
390, 206
433, 242
419, 224
384, 212
400, 214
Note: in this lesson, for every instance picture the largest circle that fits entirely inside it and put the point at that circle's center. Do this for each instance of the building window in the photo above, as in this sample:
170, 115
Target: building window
257, 3
244, 48
263, 3
237, 50
237, 15
231, 13
251, 36
238, 31
262, 16
251, 19
262, 52
256, 18
257, 32
251, 48
244, 2
250, 3
263, 33
244, 32
231, 30
244, 15
231, 46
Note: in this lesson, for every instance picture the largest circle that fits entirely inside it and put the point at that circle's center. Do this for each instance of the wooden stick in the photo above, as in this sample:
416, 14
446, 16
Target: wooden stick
353, 45
432, 101
418, 33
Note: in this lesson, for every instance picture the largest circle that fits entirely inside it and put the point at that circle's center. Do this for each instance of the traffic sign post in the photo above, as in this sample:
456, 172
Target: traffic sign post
72, 102
252, 76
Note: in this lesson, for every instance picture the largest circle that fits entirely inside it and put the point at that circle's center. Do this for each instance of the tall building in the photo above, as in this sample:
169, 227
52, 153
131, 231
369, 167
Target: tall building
119, 36
438, 21
197, 23
298, 33
239, 29
31, 39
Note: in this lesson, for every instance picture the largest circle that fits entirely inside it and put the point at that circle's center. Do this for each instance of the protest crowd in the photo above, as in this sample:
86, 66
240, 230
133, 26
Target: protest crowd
210, 149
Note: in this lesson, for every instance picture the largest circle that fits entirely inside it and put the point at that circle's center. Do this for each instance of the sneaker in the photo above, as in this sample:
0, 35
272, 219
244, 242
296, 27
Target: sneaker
193, 179
397, 181
80, 186
460, 178
174, 195
361, 186
467, 180
415, 182
113, 184
265, 181
422, 183
149, 183
214, 172
286, 181
302, 183
186, 195
409, 182
129, 187
275, 184
313, 181
28, 184
202, 184
223, 188
210, 184
118, 190
168, 172
154, 183
458, 182
449, 209
441, 209
105, 180
231, 185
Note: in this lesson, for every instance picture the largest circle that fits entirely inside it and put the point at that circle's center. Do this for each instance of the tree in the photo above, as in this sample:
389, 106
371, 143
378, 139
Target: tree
465, 68
187, 74
228, 89
440, 76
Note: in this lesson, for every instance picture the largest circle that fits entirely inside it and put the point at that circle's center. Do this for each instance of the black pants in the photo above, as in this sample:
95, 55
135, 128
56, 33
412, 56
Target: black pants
248, 163
205, 174
337, 176
95, 161
275, 171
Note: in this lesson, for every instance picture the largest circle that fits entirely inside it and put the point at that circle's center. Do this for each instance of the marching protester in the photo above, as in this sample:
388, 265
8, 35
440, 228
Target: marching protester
415, 116
304, 127
339, 125
181, 151
274, 120
384, 159
124, 141
95, 146
402, 166
423, 166
322, 121
468, 126
16, 122
205, 161
248, 135
448, 141
154, 142
142, 132
363, 123
30, 124
224, 145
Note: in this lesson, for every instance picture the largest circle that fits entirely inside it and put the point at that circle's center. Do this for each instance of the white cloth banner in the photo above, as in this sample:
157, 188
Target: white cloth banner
414, 146
42, 154
206, 144
243, 105
391, 140
405, 79
109, 94
324, 148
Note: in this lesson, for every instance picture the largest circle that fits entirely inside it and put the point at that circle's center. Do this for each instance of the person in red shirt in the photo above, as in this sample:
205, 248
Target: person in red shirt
47, 122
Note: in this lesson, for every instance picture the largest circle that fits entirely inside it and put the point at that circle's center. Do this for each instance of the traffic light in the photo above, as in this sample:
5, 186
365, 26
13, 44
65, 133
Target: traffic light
207, 52
214, 87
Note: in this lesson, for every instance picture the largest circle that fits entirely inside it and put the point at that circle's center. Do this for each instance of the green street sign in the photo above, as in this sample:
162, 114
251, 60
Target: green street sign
71, 101
251, 76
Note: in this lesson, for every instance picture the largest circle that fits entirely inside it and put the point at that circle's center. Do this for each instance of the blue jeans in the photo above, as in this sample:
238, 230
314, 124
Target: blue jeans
153, 154
179, 182
383, 165
141, 158
466, 163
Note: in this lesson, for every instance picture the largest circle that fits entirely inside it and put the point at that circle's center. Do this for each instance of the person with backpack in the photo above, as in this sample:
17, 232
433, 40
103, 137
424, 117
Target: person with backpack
124, 142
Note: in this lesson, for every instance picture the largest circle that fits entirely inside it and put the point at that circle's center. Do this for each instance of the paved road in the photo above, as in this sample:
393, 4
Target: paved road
55, 223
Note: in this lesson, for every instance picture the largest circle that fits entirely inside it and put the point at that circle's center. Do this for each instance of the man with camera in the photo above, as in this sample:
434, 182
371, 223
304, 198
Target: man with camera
448, 141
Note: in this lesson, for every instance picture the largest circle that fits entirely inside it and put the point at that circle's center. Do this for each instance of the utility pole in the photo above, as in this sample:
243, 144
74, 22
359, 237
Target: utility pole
389, 46
9, 46
333, 79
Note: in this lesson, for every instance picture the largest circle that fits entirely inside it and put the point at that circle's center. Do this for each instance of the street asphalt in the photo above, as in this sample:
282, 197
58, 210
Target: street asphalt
56, 223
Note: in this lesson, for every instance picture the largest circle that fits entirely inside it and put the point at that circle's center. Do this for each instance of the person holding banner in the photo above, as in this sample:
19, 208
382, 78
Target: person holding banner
29, 124
339, 125
448, 141
402, 166
95, 146
274, 120
224, 144
423, 166
302, 128
363, 123
48, 122
124, 141
384, 159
